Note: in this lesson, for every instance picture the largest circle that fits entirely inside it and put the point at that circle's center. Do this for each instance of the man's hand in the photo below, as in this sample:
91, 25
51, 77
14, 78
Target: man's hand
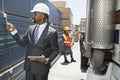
10, 27
41, 60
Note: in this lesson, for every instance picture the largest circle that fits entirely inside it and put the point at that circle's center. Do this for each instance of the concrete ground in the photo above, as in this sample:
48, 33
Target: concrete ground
70, 71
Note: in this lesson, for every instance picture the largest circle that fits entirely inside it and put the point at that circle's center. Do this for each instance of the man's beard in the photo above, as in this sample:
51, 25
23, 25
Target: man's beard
36, 22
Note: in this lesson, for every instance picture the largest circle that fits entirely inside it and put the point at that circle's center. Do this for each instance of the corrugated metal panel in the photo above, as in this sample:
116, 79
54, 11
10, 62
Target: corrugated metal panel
10, 52
23, 7
55, 15
17, 74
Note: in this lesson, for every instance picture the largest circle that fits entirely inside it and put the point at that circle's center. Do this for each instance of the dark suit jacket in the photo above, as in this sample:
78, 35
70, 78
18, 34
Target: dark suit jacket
46, 45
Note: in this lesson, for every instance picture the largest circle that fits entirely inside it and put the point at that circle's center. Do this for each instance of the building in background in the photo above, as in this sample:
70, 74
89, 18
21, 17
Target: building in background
67, 17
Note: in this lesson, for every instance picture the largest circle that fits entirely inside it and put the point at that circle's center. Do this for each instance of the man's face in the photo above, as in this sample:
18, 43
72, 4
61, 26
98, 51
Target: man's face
37, 16
67, 31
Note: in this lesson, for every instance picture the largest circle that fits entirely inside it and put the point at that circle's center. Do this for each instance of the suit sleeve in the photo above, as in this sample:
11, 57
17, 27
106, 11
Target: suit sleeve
54, 46
22, 40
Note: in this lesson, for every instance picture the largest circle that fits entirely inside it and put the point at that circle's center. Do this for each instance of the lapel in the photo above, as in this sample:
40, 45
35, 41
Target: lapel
31, 36
44, 33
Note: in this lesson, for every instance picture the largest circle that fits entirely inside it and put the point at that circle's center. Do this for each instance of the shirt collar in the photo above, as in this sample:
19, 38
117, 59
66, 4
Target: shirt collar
43, 25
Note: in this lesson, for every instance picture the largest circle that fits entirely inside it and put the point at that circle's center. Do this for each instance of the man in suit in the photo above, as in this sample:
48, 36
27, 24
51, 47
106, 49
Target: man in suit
41, 41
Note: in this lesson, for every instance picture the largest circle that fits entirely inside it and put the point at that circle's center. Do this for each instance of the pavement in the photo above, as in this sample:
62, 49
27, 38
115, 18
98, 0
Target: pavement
69, 71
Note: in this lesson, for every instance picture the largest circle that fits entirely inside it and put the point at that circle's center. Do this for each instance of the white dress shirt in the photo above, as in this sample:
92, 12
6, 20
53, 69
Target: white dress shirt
40, 30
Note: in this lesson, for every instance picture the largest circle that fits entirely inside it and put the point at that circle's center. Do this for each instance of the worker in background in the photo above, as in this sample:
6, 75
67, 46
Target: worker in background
67, 45
84, 59
82, 39
42, 43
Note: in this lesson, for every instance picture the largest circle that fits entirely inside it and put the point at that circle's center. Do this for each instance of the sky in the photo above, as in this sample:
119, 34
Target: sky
78, 8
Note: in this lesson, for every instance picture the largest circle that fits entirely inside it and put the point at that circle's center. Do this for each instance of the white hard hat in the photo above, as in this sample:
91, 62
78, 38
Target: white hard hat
41, 7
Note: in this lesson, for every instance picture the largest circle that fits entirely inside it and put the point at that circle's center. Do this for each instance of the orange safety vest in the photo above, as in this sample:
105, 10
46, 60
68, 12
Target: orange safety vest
67, 39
